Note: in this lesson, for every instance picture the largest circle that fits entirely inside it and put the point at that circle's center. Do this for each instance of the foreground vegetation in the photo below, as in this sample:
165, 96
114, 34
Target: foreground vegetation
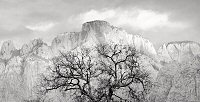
105, 73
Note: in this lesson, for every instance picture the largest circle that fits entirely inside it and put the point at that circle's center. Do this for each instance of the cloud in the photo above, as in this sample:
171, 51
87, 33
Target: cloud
157, 20
135, 18
41, 26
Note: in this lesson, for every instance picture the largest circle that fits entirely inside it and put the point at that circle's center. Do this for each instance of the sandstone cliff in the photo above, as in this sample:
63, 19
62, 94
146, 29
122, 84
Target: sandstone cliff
179, 78
21, 68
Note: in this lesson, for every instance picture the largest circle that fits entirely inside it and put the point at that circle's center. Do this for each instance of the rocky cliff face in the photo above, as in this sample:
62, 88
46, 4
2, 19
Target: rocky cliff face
179, 51
102, 32
10, 76
178, 82
96, 32
20, 69
66, 42
179, 78
144, 46
8, 50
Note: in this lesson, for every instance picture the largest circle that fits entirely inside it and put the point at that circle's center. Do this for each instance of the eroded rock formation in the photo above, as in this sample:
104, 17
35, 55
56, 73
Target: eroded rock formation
177, 80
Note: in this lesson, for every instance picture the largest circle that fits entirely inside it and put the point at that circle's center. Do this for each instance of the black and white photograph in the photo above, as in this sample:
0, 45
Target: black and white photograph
99, 50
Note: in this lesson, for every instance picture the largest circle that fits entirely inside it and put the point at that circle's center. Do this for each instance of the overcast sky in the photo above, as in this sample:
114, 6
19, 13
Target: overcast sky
160, 21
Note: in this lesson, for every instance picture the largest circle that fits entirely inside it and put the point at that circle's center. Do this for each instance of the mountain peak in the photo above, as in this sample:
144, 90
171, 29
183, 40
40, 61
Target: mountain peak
179, 51
7, 49
96, 22
7, 44
182, 42
98, 31
27, 48
97, 26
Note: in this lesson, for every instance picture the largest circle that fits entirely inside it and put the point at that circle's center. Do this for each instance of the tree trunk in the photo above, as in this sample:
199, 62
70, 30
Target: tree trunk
110, 93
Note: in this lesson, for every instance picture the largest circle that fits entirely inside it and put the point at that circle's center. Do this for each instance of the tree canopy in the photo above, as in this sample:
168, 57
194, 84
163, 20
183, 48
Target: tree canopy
105, 73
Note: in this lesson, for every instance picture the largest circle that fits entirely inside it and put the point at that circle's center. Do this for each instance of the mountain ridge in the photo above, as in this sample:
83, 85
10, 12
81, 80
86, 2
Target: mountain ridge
24, 65
93, 32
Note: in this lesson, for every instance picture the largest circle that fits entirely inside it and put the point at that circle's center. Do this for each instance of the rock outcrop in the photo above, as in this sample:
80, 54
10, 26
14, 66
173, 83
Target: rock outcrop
175, 67
179, 51
179, 78
66, 42
96, 32
20, 69
178, 82
8, 50
144, 46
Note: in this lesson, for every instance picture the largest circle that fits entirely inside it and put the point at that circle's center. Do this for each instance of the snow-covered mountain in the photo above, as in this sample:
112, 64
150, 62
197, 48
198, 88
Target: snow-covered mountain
21, 68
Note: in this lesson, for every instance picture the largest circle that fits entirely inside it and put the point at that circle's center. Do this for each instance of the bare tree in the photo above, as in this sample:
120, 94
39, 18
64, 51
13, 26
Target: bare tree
98, 75
73, 71
120, 65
